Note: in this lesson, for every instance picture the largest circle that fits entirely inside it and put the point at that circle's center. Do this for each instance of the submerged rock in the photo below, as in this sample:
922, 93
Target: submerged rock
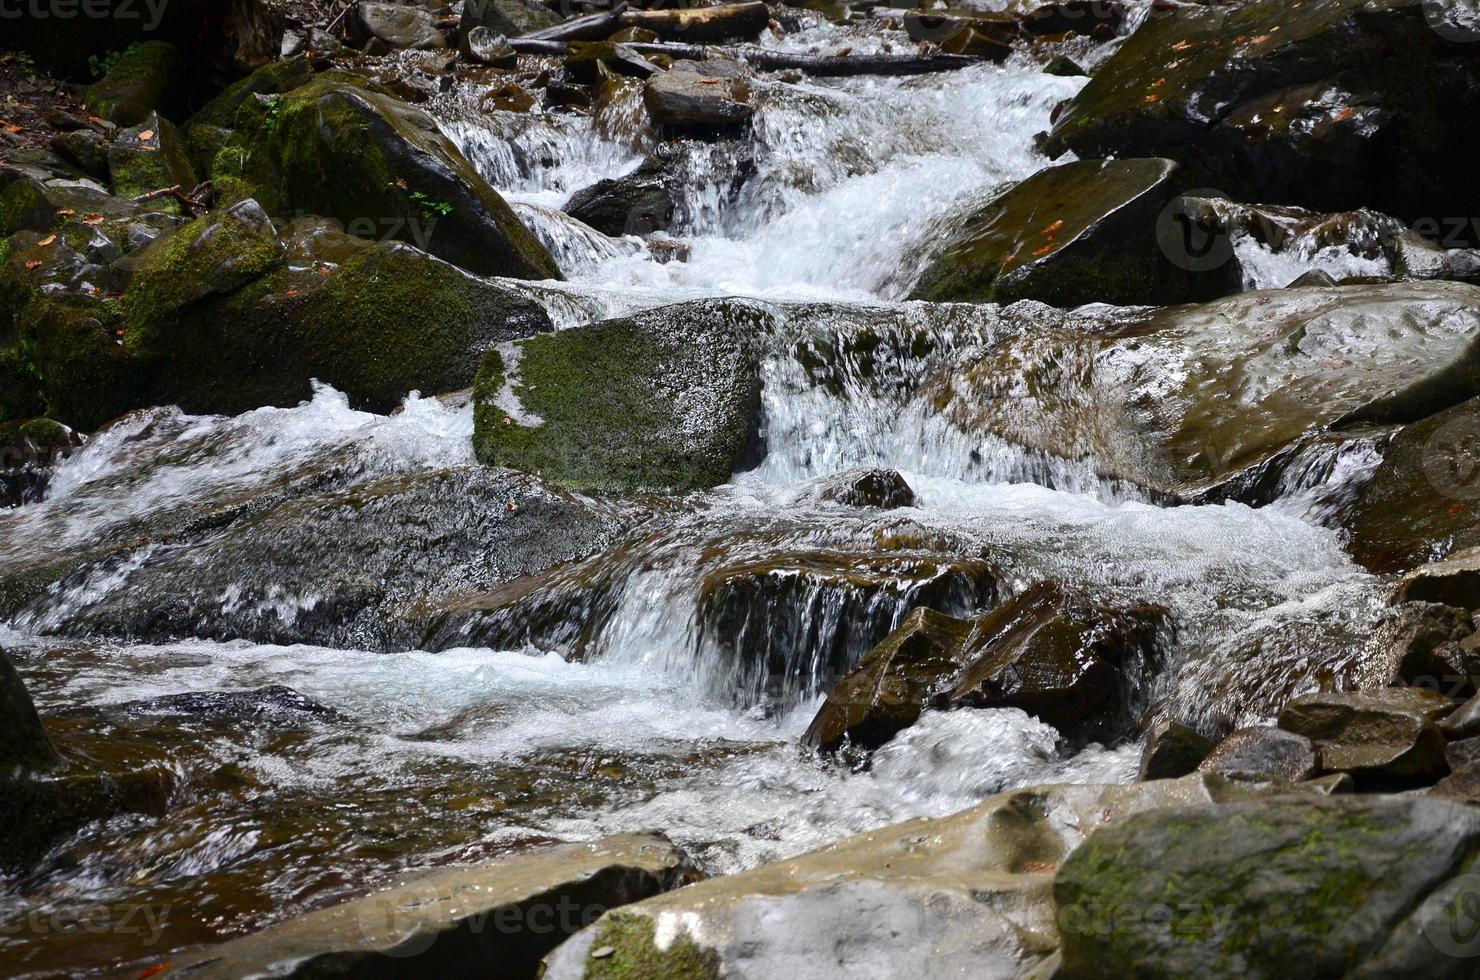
457, 921
1080, 666
666, 399
1086, 232
964, 895
638, 203
1344, 886
274, 703
1386, 735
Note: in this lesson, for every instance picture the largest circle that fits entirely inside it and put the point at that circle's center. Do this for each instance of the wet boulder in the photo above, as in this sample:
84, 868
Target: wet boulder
1423, 645
1086, 232
1454, 581
890, 687
1331, 104
1388, 735
1079, 665
1463, 722
1420, 503
638, 203
1343, 886
669, 398
865, 487
783, 620
456, 921
24, 743
396, 26
345, 150
699, 95
483, 47
1461, 784
29, 451
1262, 752
376, 321
142, 81
1463, 751
968, 895
511, 18
271, 79
1173, 750
1213, 401
364, 565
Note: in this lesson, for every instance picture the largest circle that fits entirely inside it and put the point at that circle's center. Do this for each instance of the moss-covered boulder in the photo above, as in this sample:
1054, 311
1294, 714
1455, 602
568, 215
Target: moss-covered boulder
457, 921
1342, 886
345, 150
1214, 400
143, 81
669, 398
966, 895
271, 79
374, 320
1332, 104
151, 156
1081, 666
1079, 233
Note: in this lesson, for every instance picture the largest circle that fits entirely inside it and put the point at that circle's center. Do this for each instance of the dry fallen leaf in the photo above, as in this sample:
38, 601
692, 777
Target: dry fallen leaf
12, 129
46, 242
33, 265
92, 219
65, 213
1053, 229
147, 134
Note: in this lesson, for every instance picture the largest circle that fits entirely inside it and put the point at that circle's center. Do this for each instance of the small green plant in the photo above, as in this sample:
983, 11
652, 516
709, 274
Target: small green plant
25, 64
274, 114
102, 66
430, 208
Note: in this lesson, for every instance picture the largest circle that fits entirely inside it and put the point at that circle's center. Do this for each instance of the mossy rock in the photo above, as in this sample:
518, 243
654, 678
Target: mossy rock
36, 205
271, 79
1078, 233
143, 81
385, 321
626, 948
86, 149
669, 399
383, 169
72, 354
149, 157
1342, 886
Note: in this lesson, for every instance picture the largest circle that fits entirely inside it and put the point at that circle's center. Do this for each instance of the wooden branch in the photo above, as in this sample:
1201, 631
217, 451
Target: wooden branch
592, 27
703, 25
765, 59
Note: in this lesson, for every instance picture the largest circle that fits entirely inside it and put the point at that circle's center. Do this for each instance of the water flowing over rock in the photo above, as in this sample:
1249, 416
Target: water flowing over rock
1082, 667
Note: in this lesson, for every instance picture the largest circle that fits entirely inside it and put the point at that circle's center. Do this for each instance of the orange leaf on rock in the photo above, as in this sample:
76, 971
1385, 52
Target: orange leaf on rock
46, 242
92, 219
33, 264
147, 134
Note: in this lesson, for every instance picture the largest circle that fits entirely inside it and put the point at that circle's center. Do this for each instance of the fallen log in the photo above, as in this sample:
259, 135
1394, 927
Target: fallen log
703, 25
821, 66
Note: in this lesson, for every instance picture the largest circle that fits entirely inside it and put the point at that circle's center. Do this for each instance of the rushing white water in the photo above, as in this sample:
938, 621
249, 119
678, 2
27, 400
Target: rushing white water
668, 722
